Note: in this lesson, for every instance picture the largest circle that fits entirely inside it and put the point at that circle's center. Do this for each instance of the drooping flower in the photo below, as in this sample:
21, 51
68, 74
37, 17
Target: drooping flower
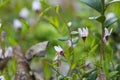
106, 35
59, 50
24, 13
2, 78
17, 24
36, 5
83, 33
59, 53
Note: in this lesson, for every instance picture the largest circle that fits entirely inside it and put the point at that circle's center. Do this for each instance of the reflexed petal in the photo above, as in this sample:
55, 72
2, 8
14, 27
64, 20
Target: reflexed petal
110, 31
80, 32
106, 32
58, 48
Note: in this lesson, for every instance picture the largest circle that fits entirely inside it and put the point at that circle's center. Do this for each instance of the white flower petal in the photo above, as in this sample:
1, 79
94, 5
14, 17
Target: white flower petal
2, 78
17, 24
58, 49
84, 32
110, 31
36, 5
24, 13
80, 31
9, 52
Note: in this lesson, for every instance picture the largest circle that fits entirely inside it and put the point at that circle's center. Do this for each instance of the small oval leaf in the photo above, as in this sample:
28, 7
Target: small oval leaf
74, 32
63, 38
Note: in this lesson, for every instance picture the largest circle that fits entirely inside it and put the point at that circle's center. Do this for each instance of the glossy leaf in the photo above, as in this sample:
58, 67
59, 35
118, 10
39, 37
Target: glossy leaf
74, 32
75, 40
95, 4
94, 49
98, 18
110, 21
63, 38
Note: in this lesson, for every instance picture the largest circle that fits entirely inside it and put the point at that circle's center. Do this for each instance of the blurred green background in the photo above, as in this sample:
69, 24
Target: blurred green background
51, 26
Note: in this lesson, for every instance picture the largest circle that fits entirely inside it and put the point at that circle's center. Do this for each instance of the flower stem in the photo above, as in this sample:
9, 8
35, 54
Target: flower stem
70, 36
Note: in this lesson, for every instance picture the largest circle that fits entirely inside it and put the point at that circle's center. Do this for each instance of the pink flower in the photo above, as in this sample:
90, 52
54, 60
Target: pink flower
83, 32
106, 35
59, 50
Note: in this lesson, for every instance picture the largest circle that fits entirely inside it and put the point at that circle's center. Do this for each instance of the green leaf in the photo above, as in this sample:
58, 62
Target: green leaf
110, 21
25, 27
98, 18
113, 73
94, 49
12, 41
95, 4
75, 40
63, 38
113, 1
73, 65
74, 32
